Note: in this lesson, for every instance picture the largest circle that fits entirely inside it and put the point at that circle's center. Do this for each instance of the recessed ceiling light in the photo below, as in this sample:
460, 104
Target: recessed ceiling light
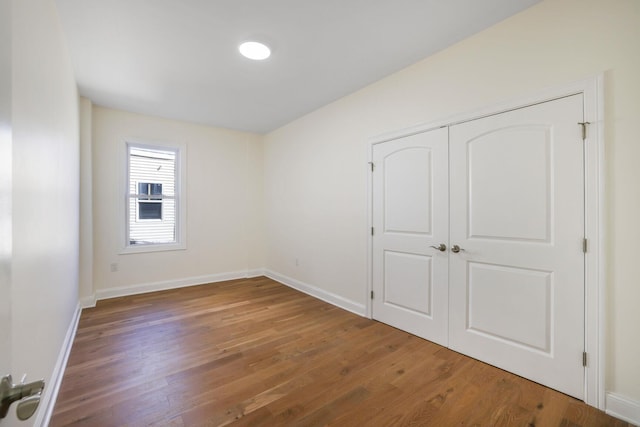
254, 50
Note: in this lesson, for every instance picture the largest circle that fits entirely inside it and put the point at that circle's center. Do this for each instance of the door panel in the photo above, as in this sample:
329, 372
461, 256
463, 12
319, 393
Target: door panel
509, 304
402, 170
517, 209
504, 202
410, 200
408, 279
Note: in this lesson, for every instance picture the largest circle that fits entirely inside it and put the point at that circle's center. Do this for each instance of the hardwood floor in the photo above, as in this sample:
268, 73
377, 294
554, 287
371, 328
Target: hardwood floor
255, 352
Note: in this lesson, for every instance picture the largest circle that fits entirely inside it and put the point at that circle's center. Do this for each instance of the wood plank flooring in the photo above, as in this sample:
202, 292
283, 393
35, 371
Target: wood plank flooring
257, 353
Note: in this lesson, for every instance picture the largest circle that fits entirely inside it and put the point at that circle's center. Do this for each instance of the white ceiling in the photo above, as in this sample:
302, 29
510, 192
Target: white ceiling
179, 58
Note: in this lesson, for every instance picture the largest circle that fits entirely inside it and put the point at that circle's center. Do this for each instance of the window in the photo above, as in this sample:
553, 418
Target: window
154, 203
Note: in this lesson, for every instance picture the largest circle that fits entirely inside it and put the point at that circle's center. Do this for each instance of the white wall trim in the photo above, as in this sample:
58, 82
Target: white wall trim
48, 402
255, 273
594, 231
88, 302
623, 408
592, 89
369, 201
515, 103
143, 288
316, 292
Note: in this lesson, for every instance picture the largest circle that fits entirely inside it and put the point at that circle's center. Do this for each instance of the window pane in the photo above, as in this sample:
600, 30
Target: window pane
143, 191
149, 210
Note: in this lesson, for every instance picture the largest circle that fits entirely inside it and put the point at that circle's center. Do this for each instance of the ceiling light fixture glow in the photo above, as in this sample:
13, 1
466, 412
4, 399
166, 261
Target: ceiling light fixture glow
254, 50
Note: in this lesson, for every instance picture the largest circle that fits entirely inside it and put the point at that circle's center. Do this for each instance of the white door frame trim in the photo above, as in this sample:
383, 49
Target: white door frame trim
592, 89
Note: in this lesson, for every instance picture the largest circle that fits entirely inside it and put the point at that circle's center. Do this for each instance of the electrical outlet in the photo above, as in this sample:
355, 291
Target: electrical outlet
297, 262
113, 267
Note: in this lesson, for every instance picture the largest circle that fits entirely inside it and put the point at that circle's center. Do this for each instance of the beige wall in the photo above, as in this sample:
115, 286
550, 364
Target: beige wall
224, 196
315, 167
45, 217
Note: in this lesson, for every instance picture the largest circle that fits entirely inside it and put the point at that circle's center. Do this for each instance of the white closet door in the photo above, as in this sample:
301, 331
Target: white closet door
517, 209
410, 215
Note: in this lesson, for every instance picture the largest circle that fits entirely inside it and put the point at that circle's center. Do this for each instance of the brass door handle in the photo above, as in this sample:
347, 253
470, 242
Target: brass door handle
441, 247
455, 249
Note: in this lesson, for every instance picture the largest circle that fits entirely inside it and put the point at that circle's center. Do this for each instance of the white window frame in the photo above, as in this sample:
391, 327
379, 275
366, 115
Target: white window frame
180, 197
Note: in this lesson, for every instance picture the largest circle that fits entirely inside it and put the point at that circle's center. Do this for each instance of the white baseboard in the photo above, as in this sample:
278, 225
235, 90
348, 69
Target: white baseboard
623, 408
88, 302
143, 288
53, 387
255, 273
329, 297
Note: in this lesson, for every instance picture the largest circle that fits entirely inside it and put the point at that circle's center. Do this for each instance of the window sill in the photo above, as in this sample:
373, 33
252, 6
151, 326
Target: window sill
163, 247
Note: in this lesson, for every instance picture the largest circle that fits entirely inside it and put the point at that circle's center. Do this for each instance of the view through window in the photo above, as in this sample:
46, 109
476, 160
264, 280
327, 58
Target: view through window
152, 213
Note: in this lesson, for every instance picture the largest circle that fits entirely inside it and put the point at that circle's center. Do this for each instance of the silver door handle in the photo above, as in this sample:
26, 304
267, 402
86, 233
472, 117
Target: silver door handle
441, 247
27, 396
455, 249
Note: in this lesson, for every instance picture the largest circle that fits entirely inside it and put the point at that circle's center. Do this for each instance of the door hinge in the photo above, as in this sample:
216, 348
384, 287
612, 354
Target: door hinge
584, 129
585, 245
372, 166
584, 358
371, 294
372, 231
